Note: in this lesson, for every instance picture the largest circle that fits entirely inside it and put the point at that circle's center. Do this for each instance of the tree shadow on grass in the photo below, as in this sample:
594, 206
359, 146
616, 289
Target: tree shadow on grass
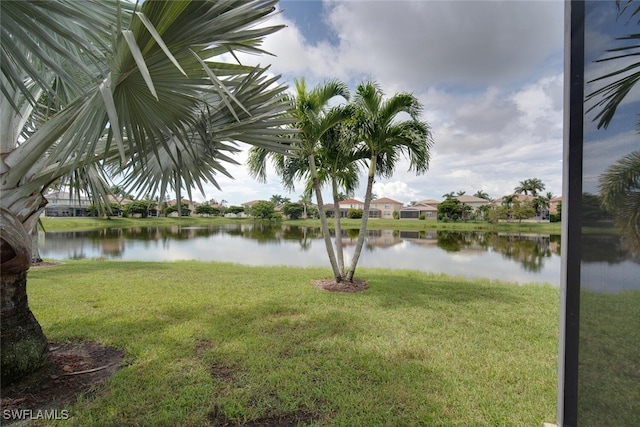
416, 289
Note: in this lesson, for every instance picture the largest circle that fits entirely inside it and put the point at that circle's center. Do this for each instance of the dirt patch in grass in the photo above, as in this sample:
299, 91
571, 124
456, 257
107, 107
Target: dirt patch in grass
330, 285
70, 369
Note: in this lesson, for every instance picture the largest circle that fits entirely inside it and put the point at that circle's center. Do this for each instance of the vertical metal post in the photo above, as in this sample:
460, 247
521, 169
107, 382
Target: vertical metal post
571, 213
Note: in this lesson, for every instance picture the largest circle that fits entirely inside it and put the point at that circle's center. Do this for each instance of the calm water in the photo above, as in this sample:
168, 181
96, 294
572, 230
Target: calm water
517, 258
607, 265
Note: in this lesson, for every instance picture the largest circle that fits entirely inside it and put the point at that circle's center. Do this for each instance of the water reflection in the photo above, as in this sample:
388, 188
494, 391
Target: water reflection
513, 257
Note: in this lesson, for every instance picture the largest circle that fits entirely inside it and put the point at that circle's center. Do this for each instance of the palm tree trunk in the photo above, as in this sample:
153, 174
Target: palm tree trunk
23, 345
365, 219
35, 247
338, 228
337, 273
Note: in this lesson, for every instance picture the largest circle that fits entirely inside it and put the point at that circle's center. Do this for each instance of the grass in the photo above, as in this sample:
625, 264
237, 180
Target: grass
210, 342
65, 224
608, 392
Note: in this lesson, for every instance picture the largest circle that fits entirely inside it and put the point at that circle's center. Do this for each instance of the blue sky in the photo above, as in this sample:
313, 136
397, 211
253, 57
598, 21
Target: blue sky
490, 76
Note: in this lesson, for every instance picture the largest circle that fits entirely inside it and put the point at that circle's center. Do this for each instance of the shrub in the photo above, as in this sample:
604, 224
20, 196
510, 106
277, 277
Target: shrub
354, 213
421, 217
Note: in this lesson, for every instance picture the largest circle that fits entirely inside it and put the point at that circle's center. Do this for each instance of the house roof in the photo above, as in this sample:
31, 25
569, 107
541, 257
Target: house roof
386, 200
251, 203
351, 201
118, 199
432, 202
420, 207
465, 198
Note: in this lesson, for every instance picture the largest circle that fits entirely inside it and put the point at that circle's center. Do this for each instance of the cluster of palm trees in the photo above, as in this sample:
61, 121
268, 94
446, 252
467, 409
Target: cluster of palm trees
340, 136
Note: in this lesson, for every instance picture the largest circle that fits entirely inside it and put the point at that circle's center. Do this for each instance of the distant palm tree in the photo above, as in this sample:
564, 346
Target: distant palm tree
482, 195
92, 87
507, 201
530, 186
385, 137
539, 203
449, 195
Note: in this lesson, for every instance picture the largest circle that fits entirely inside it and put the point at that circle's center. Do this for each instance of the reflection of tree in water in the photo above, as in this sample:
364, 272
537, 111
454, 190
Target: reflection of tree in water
455, 241
530, 251
303, 235
609, 248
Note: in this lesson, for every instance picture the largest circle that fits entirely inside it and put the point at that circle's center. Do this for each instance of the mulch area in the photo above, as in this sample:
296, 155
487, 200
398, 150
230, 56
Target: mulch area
70, 369
332, 286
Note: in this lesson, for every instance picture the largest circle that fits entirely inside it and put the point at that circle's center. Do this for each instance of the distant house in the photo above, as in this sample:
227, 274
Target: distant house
343, 207
429, 211
191, 206
384, 208
64, 204
554, 204
351, 204
473, 201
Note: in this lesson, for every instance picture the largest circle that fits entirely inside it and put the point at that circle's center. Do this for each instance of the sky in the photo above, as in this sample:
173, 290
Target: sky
489, 74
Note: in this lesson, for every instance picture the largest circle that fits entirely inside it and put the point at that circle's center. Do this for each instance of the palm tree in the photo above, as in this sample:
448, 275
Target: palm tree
539, 203
482, 195
530, 186
313, 120
507, 202
339, 161
449, 195
612, 94
385, 136
102, 85
620, 193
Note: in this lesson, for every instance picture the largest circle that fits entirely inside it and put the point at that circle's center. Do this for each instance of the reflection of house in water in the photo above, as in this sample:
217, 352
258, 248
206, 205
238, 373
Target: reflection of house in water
66, 242
382, 238
420, 238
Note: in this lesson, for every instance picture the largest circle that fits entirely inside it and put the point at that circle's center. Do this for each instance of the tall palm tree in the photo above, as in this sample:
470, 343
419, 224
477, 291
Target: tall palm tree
385, 137
314, 119
339, 161
99, 86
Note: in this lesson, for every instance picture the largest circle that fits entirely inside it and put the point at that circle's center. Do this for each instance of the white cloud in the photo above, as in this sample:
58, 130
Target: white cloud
488, 73
396, 190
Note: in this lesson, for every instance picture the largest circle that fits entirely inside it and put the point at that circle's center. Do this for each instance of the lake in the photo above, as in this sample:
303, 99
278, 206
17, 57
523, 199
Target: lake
607, 266
511, 257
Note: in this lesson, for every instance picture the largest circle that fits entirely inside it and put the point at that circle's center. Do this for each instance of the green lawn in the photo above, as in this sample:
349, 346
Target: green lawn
65, 224
208, 343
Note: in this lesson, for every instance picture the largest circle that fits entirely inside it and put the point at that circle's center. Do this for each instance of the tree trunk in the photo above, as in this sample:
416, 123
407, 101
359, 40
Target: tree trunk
23, 346
35, 247
365, 219
337, 273
338, 228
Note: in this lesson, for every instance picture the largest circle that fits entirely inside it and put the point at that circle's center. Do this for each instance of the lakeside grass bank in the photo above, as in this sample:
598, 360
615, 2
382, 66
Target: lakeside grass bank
207, 342
65, 224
